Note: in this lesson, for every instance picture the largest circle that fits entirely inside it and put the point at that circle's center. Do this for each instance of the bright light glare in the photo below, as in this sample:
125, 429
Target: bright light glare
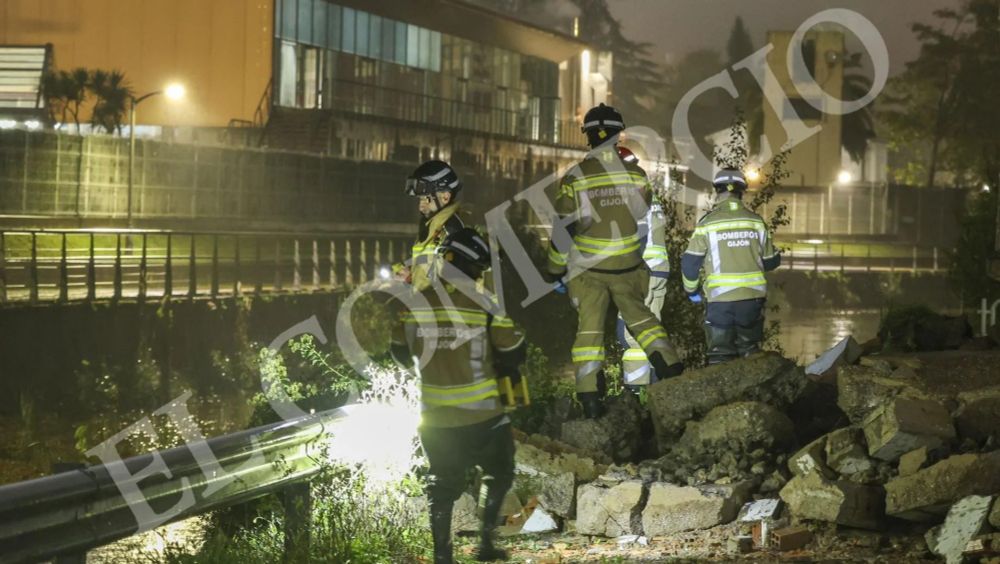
380, 431
384, 273
7, 124
753, 174
175, 91
986, 187
32, 124
813, 241
844, 177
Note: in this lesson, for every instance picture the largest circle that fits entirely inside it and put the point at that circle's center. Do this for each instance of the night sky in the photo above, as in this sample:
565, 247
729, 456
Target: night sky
676, 27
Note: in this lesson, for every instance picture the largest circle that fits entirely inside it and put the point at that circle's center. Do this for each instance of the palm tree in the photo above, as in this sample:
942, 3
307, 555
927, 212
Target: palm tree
858, 127
113, 94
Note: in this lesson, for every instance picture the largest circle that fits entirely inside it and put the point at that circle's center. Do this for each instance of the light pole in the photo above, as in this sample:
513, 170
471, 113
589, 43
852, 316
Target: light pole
173, 92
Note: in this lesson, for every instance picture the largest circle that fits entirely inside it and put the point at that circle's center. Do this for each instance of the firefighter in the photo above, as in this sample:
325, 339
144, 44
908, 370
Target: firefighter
600, 200
636, 370
436, 185
733, 245
467, 344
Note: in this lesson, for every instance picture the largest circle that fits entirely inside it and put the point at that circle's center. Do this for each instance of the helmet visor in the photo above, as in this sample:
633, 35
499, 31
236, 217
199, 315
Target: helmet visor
418, 187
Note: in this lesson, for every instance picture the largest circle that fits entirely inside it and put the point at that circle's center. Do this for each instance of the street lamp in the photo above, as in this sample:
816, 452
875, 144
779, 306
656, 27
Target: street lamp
844, 177
174, 92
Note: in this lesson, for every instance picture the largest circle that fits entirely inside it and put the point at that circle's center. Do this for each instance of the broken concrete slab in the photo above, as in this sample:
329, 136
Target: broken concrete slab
824, 368
846, 452
905, 424
811, 458
538, 455
750, 425
882, 366
764, 377
760, 510
978, 417
558, 494
610, 512
927, 494
540, 522
966, 519
813, 497
913, 461
673, 509
617, 434
861, 390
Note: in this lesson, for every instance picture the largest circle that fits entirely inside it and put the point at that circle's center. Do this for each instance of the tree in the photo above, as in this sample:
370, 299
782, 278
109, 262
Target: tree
857, 127
943, 108
112, 94
65, 92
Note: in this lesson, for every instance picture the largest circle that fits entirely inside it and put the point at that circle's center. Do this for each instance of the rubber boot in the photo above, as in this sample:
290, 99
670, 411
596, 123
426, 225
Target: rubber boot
441, 533
593, 405
487, 551
721, 344
748, 338
662, 370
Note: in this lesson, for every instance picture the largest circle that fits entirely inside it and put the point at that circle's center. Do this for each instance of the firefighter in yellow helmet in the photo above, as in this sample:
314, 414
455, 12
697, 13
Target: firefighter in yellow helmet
734, 247
465, 343
602, 199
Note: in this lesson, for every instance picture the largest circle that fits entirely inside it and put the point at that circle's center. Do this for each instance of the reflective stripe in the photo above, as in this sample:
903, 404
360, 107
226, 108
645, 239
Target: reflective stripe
581, 354
732, 224
640, 375
460, 396
556, 257
690, 285
586, 369
719, 290
738, 280
457, 315
654, 251
637, 355
607, 247
503, 322
650, 335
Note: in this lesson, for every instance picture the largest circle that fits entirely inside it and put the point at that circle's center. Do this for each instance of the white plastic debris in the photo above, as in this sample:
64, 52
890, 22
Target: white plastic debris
760, 510
540, 522
625, 540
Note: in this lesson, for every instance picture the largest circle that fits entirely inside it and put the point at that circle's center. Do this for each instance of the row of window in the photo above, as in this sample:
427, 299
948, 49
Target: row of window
322, 24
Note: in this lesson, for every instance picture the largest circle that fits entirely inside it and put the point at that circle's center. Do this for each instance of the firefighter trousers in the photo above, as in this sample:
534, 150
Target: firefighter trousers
591, 292
733, 329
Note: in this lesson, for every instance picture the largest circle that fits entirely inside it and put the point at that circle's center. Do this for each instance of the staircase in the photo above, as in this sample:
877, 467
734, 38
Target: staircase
21, 72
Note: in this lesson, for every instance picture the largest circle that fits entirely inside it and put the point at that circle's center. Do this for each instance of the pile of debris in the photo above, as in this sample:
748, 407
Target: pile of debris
782, 452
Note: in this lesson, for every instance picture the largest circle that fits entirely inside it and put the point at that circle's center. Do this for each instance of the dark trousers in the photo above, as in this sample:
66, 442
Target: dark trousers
452, 451
733, 329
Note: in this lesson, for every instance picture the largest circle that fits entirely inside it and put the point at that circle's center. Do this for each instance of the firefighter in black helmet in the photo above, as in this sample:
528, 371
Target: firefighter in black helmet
437, 185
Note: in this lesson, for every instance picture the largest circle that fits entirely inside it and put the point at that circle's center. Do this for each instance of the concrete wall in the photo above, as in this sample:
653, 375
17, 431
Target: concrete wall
219, 49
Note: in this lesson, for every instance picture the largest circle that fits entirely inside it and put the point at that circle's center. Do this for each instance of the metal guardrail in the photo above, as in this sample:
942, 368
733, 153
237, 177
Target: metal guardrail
86, 265
865, 258
67, 514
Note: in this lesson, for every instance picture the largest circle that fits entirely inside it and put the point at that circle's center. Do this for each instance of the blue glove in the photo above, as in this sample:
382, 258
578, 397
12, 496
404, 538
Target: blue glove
695, 298
559, 286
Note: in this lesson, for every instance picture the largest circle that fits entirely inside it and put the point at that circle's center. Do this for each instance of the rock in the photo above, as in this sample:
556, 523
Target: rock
746, 424
912, 461
995, 515
846, 453
965, 520
824, 368
558, 494
618, 434
860, 390
811, 458
919, 329
773, 483
610, 512
927, 494
881, 366
540, 522
978, 417
741, 544
464, 515
672, 509
813, 497
905, 424
538, 455
764, 377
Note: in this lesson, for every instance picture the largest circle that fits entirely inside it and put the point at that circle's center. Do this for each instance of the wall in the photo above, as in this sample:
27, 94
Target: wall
219, 49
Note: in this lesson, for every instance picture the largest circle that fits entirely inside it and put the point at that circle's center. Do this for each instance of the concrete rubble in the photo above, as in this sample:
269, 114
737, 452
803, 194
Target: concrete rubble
814, 497
965, 520
846, 453
927, 494
674, 509
904, 424
610, 511
824, 368
617, 435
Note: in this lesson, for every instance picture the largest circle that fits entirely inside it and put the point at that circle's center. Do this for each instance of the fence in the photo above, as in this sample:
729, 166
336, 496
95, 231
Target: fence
66, 265
61, 175
863, 257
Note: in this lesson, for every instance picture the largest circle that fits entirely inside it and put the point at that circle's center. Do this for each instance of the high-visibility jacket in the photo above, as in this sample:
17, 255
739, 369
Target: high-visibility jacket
464, 342
432, 232
607, 196
734, 247
654, 250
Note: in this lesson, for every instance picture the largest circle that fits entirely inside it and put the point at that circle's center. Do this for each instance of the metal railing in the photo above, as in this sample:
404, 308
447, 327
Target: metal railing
67, 514
864, 257
73, 265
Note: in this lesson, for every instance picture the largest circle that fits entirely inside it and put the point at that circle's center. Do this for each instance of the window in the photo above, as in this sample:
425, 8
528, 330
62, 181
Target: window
435, 51
361, 34
412, 45
388, 39
399, 56
333, 16
288, 14
375, 37
319, 23
347, 31
305, 21
424, 59
287, 78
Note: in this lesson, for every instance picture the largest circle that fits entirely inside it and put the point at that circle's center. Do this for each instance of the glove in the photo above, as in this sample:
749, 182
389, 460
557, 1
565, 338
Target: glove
695, 298
559, 286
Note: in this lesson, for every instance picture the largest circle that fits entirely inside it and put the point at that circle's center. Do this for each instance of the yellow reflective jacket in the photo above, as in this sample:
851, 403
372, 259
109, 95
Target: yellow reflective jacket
432, 233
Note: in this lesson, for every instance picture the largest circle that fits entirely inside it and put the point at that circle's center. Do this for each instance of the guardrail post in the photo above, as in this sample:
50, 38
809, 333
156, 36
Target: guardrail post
277, 265
296, 274
143, 272
63, 274
815, 258
315, 264
33, 268
363, 260
914, 259
168, 274
91, 273
258, 284
118, 267
192, 269
215, 265
296, 500
868, 262
841, 258
237, 289
935, 259
348, 264
3, 270
333, 264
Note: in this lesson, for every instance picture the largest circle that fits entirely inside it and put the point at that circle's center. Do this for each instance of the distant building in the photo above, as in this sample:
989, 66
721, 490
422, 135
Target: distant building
361, 79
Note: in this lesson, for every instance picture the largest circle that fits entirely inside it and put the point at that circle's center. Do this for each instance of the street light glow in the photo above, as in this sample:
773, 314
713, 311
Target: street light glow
175, 91
844, 177
753, 174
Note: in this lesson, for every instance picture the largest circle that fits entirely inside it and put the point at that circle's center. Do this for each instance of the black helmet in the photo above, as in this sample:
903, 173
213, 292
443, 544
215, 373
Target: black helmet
467, 251
433, 177
729, 180
601, 124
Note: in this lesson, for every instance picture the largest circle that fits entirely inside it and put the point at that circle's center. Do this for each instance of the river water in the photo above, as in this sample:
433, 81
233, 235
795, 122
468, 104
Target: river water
807, 333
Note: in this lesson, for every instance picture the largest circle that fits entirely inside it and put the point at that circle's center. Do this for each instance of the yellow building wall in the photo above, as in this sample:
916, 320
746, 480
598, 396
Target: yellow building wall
220, 50
816, 160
